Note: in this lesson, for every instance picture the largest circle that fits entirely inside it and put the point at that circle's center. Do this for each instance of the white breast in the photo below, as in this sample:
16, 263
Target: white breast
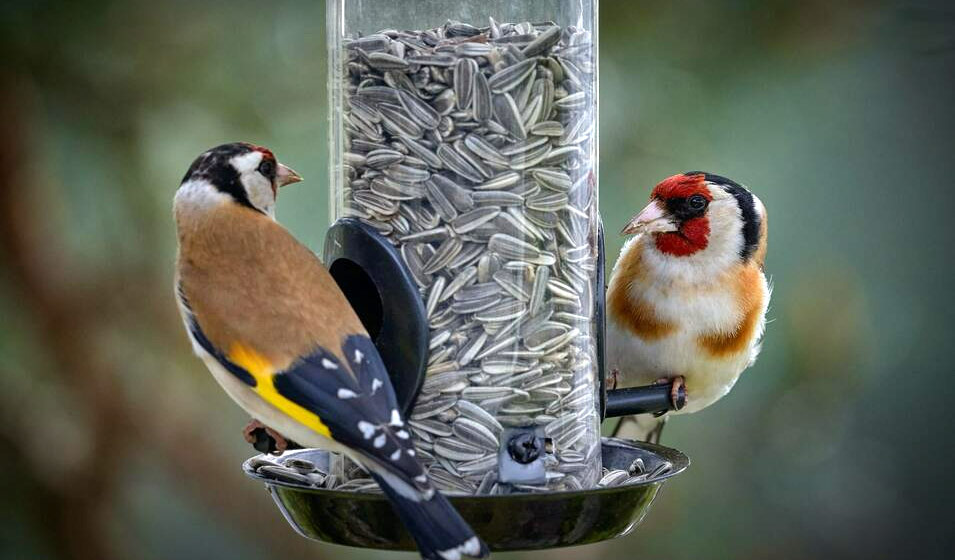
696, 312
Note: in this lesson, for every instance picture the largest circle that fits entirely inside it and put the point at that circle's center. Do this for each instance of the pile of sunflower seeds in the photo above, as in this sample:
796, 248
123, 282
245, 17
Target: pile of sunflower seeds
637, 472
301, 471
472, 150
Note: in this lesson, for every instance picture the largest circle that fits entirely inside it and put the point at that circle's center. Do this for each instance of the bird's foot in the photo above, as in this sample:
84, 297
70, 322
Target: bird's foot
678, 392
253, 435
613, 378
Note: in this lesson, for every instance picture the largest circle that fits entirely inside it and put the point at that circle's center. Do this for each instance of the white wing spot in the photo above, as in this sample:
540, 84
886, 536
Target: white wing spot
470, 547
402, 434
375, 385
379, 441
410, 452
367, 429
421, 478
396, 455
358, 356
328, 364
346, 394
396, 418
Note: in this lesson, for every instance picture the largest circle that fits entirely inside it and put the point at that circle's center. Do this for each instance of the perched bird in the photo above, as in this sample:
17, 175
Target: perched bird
687, 297
279, 336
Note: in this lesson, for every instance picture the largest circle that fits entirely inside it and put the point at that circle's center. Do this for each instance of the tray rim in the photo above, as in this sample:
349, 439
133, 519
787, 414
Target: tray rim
678, 459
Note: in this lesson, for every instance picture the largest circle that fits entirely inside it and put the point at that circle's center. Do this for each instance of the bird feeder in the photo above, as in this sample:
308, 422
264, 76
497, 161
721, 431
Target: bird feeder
467, 239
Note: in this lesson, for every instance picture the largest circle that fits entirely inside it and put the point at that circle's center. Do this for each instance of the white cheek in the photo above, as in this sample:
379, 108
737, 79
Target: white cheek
259, 190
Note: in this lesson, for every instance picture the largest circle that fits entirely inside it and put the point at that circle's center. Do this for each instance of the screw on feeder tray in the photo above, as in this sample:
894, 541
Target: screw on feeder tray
521, 460
525, 447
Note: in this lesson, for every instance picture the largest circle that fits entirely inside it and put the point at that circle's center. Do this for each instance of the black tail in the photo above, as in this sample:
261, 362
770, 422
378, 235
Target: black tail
437, 528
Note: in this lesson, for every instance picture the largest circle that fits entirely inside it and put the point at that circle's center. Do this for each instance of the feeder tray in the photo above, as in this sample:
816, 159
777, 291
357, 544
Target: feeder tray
526, 521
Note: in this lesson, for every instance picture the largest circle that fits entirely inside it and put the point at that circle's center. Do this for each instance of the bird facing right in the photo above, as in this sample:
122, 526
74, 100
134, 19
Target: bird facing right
687, 298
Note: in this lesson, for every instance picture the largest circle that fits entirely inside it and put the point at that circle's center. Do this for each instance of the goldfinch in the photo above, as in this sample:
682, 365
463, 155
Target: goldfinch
687, 298
278, 335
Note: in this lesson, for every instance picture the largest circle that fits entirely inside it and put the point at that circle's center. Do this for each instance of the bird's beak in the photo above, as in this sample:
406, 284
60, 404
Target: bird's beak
286, 176
652, 219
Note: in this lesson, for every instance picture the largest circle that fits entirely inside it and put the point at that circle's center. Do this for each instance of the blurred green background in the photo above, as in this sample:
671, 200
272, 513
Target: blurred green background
840, 115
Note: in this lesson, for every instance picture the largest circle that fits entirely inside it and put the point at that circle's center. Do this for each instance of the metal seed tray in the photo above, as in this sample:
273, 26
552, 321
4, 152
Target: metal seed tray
527, 521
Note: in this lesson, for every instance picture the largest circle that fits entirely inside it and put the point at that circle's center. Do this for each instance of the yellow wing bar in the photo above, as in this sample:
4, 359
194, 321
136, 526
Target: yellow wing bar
263, 372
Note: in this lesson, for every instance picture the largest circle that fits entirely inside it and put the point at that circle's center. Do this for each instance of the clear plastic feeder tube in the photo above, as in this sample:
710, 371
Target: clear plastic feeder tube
466, 133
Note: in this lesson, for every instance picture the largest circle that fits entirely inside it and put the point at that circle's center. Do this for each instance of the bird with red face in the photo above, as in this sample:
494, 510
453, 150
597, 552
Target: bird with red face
687, 298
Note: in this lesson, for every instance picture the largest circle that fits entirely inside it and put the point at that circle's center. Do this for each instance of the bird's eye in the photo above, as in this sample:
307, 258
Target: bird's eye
696, 202
267, 168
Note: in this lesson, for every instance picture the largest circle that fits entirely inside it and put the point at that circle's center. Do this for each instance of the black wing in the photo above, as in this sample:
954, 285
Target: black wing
357, 403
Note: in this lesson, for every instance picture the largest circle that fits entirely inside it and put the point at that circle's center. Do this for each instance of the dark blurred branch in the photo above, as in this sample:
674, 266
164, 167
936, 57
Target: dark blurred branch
67, 317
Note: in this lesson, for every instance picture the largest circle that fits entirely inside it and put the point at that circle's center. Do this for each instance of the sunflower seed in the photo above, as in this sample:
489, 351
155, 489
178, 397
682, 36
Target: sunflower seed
385, 61
475, 305
457, 195
462, 279
510, 77
442, 60
482, 110
283, 474
614, 478
457, 450
379, 159
445, 252
464, 71
502, 181
547, 128
434, 295
484, 149
543, 42
432, 408
406, 173
471, 220
474, 433
453, 161
512, 248
397, 122
497, 198
507, 115
421, 112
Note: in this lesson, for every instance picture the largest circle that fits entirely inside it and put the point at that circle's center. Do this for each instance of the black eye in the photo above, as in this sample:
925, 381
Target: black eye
696, 202
267, 168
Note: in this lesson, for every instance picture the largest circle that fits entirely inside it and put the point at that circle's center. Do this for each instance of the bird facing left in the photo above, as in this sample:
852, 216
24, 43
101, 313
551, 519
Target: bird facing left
279, 336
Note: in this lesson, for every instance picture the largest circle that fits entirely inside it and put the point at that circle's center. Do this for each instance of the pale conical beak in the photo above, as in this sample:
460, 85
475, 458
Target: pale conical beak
286, 176
652, 219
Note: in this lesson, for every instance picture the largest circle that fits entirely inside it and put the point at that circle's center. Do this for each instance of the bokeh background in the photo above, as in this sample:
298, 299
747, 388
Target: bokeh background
840, 115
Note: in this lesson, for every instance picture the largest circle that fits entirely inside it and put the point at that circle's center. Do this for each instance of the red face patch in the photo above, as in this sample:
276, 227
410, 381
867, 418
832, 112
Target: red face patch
694, 233
693, 236
266, 153
681, 186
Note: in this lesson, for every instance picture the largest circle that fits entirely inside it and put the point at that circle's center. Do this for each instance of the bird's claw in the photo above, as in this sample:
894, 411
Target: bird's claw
253, 435
678, 392
613, 378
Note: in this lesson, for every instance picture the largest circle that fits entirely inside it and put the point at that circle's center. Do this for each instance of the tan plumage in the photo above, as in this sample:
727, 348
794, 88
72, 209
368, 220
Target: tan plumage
304, 306
279, 336
687, 297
